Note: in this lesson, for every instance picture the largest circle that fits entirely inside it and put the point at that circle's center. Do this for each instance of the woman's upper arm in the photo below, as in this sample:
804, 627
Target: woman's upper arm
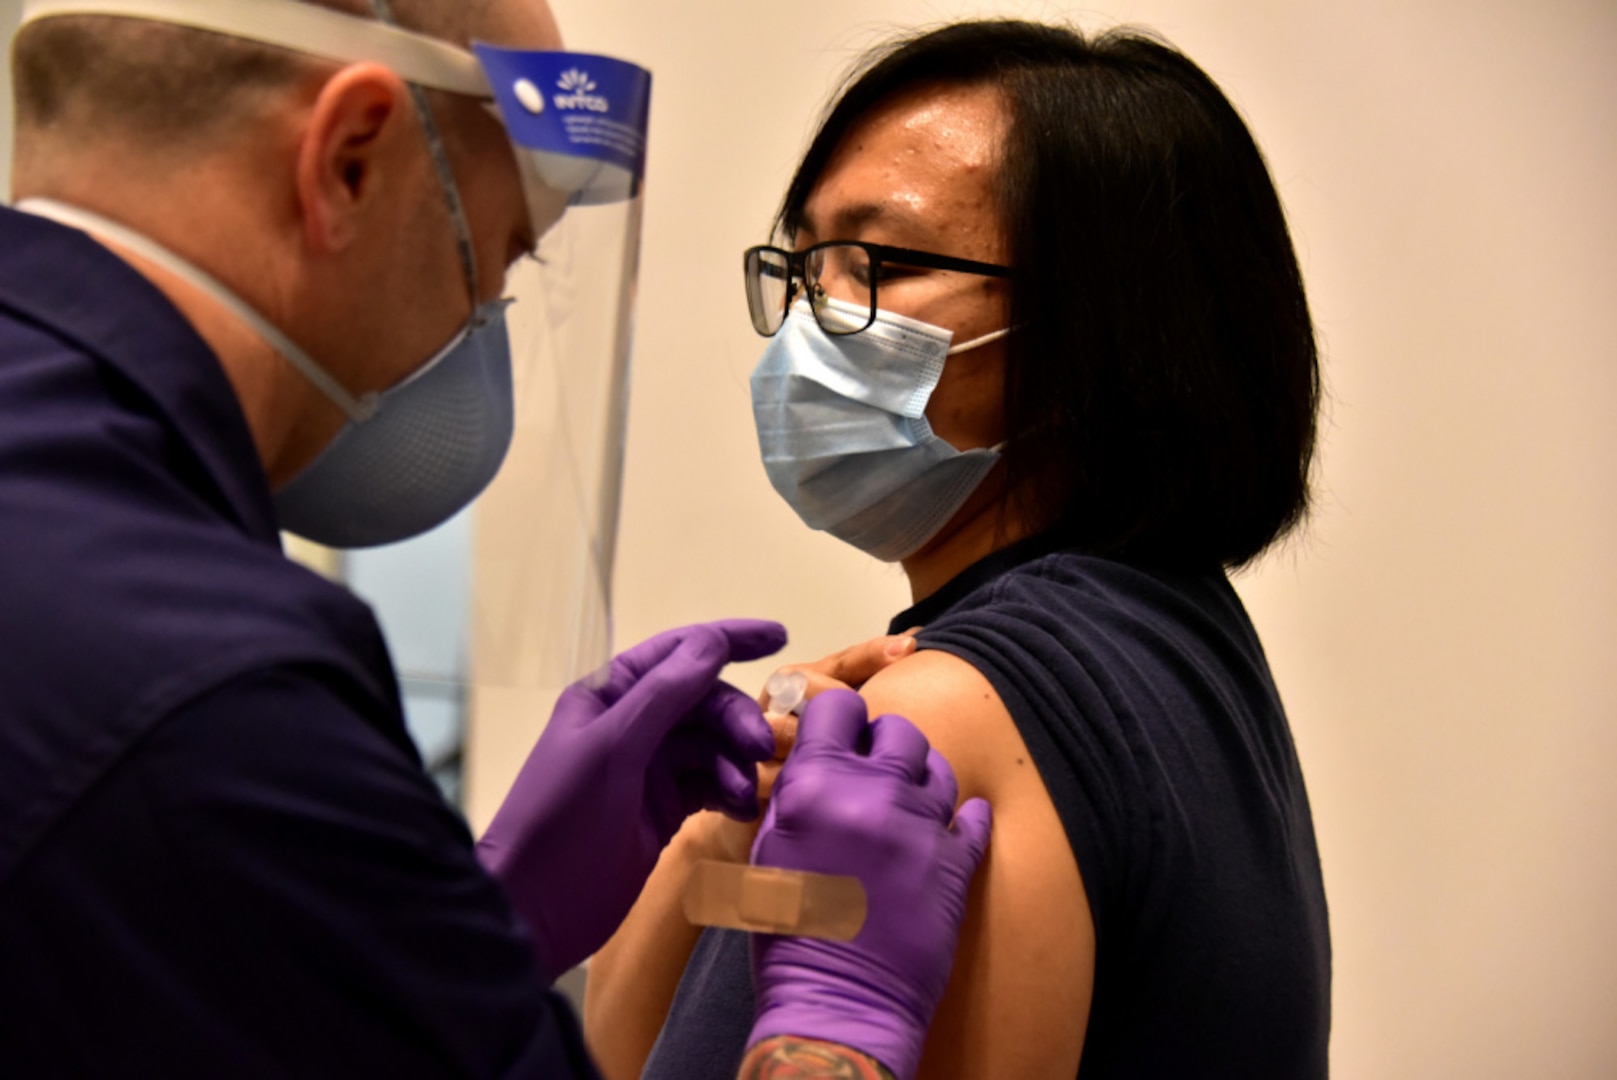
1018, 1000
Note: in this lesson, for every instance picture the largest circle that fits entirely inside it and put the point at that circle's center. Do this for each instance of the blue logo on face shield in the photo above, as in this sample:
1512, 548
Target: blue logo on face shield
578, 92
574, 111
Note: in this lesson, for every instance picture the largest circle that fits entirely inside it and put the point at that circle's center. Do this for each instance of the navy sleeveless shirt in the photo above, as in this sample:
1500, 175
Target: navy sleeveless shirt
1147, 705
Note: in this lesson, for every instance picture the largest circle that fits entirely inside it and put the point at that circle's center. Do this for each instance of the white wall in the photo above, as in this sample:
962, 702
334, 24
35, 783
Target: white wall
1444, 636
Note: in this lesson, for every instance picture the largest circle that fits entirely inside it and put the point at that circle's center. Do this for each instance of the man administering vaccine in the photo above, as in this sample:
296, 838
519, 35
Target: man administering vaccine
252, 281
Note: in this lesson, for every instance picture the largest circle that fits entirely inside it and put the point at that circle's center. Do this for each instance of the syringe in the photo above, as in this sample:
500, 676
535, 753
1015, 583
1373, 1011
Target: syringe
787, 691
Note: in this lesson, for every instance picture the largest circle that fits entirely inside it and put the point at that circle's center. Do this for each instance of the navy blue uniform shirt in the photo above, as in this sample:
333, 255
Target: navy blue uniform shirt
219, 854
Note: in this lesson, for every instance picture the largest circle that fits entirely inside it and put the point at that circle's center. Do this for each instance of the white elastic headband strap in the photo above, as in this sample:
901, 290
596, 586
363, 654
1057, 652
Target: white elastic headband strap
303, 28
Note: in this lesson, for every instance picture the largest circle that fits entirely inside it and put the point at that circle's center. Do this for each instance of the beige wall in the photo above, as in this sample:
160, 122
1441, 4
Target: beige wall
1444, 636
10, 12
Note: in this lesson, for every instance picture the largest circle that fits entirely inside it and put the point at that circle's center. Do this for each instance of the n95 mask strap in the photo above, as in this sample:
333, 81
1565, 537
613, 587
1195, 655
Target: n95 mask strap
767, 900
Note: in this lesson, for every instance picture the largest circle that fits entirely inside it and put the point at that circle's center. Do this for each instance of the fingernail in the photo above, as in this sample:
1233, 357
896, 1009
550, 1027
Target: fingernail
901, 647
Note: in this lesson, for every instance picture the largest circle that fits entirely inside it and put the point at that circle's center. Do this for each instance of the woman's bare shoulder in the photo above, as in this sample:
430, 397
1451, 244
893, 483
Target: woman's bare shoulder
1018, 1000
960, 713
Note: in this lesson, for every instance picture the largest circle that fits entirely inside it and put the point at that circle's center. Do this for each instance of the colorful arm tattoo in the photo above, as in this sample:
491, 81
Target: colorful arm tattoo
787, 1057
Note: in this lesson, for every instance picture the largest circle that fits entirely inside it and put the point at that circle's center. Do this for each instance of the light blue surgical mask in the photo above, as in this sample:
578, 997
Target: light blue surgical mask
843, 431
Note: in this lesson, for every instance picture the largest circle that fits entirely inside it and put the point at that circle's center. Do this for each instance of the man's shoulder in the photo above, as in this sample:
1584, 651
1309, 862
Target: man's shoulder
138, 566
57, 280
104, 659
121, 561
129, 593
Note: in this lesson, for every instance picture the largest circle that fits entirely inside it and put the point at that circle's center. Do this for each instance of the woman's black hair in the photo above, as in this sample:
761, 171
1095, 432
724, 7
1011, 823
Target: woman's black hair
1162, 383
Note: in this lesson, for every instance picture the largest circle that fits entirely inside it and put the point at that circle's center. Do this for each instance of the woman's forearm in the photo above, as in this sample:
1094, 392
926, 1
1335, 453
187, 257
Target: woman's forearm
633, 978
789, 1056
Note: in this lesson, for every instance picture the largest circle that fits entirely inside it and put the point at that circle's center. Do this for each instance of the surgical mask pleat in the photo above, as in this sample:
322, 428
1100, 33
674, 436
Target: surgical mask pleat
886, 366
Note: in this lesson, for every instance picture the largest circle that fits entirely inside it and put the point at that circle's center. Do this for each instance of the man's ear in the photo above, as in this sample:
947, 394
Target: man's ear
357, 145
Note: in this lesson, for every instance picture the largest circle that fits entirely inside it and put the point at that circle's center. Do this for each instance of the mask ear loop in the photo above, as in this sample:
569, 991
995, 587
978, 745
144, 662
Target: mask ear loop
446, 175
978, 342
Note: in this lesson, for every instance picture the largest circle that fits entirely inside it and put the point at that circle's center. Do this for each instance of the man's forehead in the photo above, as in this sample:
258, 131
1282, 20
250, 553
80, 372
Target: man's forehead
517, 24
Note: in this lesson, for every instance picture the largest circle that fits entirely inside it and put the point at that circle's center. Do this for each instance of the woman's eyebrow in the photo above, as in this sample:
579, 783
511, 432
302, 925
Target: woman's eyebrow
847, 220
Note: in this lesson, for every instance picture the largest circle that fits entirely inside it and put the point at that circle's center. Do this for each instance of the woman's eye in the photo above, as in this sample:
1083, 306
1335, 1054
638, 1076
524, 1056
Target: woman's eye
886, 272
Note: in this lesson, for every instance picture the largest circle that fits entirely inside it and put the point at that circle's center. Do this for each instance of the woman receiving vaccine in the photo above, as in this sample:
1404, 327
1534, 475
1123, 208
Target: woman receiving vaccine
1036, 332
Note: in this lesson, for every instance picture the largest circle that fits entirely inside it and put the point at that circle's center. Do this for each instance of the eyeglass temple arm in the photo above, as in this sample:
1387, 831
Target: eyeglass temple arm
911, 257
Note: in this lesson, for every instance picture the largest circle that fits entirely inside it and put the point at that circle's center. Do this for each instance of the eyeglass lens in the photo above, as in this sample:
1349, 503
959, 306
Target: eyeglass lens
768, 278
841, 272
829, 272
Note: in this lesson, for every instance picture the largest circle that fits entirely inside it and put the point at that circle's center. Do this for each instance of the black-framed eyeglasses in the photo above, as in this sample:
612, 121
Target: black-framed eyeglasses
837, 270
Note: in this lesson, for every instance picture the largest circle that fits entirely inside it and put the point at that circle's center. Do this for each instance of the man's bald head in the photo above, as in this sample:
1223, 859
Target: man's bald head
166, 87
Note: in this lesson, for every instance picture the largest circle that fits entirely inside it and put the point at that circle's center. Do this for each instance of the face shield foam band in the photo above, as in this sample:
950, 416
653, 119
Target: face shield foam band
313, 31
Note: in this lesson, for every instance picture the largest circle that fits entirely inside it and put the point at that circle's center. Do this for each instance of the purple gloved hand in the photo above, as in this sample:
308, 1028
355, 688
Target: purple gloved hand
620, 766
882, 815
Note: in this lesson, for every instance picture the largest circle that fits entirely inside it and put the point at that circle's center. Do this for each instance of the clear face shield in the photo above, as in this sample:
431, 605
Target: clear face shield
545, 532
547, 526
542, 535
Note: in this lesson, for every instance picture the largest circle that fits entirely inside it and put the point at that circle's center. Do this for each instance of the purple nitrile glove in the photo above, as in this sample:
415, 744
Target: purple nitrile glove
873, 802
624, 760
